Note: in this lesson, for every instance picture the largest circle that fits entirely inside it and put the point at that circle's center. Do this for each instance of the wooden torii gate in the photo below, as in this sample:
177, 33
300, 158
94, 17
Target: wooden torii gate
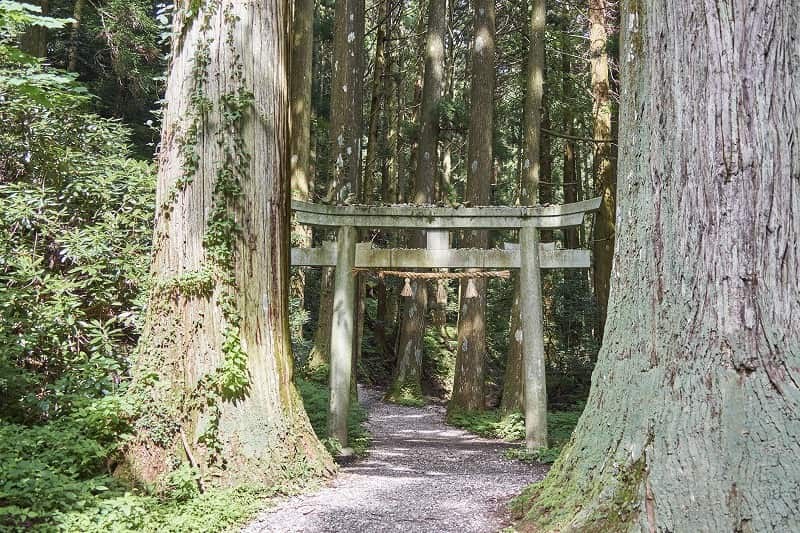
345, 255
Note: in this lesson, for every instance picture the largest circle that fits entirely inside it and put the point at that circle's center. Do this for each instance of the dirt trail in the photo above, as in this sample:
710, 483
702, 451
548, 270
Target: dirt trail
420, 475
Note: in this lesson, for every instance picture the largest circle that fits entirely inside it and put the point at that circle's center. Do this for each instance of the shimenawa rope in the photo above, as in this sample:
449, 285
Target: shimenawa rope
471, 291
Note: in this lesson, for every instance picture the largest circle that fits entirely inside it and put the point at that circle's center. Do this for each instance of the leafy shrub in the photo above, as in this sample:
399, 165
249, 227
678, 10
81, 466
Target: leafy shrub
215, 510
75, 232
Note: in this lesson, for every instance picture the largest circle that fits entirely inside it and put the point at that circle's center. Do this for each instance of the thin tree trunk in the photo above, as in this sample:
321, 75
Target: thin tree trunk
513, 393
74, 34
346, 100
377, 102
300, 125
693, 417
384, 295
412, 329
468, 387
570, 172
345, 136
215, 366
369, 190
34, 40
321, 348
390, 184
545, 166
604, 172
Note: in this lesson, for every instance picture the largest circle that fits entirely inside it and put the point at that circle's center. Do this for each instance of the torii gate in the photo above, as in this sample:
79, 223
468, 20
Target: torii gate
346, 255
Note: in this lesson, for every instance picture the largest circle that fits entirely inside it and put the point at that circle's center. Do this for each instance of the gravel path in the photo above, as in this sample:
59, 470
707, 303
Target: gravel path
420, 475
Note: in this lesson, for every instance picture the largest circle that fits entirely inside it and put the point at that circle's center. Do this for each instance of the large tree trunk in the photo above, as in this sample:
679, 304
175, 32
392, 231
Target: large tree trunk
513, 393
468, 386
214, 369
694, 413
605, 182
412, 329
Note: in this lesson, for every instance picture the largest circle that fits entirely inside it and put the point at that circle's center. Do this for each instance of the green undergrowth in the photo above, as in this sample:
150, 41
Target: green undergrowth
315, 399
215, 510
58, 476
510, 427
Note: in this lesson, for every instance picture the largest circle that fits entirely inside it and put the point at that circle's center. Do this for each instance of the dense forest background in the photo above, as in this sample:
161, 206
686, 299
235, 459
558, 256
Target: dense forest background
80, 108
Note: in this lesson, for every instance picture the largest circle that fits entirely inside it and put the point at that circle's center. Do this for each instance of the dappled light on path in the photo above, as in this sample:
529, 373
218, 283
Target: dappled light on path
420, 475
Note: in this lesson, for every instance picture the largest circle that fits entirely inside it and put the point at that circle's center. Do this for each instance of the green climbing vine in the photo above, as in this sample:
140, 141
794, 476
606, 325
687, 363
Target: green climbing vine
216, 279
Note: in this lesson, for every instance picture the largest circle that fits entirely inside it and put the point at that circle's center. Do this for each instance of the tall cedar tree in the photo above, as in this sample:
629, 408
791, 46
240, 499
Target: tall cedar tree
345, 138
214, 370
605, 180
468, 387
300, 121
412, 328
513, 389
693, 417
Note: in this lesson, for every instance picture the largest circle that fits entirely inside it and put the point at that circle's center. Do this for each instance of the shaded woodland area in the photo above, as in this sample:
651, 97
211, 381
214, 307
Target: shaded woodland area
164, 366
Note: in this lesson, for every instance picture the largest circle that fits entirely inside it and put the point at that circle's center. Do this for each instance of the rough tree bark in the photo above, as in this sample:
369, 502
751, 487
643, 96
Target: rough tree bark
605, 182
214, 368
693, 417
513, 384
468, 386
408, 371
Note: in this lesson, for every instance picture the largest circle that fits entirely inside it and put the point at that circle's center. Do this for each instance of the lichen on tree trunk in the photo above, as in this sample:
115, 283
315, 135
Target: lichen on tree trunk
693, 417
213, 373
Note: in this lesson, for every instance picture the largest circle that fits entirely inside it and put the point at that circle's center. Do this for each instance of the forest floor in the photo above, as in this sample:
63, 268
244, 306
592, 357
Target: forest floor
419, 475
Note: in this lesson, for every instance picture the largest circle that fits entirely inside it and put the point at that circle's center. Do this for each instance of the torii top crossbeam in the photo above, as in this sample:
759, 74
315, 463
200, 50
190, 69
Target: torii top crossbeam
446, 218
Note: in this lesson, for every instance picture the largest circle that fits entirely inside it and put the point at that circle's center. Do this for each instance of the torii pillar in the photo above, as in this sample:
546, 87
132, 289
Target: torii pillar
532, 322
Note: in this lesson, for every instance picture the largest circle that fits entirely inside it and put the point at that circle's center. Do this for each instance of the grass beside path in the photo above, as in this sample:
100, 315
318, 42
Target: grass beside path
510, 427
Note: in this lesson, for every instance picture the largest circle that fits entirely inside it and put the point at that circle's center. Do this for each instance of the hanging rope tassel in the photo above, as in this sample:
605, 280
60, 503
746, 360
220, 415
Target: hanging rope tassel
472, 291
407, 292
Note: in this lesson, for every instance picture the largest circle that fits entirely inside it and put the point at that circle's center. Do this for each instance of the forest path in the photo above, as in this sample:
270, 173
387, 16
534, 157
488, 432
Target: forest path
420, 475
